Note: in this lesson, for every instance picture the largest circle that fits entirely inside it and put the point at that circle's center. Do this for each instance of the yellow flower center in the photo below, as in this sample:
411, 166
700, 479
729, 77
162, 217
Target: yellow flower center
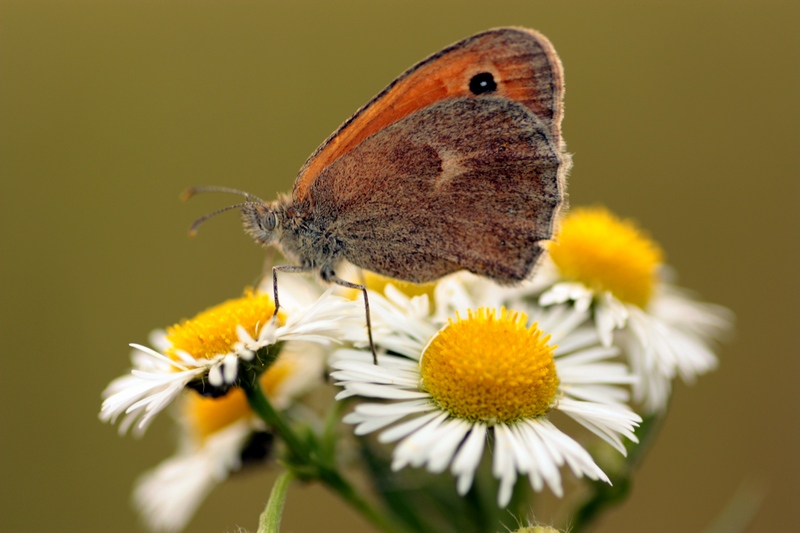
208, 415
377, 283
213, 332
606, 253
490, 368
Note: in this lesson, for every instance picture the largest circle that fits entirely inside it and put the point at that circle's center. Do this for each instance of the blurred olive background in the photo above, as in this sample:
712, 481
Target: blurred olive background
682, 115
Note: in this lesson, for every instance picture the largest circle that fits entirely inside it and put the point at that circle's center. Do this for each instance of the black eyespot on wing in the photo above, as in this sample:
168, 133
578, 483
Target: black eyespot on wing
482, 83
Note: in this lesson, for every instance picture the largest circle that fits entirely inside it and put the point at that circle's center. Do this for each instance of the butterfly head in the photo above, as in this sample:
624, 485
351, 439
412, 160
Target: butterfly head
262, 221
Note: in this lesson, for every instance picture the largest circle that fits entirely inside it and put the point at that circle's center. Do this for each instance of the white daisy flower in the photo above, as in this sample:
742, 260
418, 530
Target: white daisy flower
601, 262
207, 351
169, 495
215, 432
486, 373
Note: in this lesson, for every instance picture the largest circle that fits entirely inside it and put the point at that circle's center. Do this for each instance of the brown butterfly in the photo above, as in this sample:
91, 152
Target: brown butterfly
457, 164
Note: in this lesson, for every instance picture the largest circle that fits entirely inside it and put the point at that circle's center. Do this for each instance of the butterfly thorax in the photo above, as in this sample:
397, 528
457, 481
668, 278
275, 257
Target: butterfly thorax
303, 239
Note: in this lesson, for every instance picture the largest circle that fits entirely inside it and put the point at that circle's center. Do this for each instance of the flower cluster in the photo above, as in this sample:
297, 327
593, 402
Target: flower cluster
197, 364
467, 370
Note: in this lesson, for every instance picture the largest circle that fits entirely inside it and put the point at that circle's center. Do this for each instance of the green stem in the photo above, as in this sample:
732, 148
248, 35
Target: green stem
341, 486
263, 408
303, 457
270, 519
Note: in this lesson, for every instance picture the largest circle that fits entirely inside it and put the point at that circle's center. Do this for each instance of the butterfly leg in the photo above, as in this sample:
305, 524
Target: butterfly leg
283, 268
329, 276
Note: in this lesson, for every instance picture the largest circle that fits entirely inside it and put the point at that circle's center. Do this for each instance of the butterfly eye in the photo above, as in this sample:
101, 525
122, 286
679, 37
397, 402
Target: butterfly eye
482, 83
270, 221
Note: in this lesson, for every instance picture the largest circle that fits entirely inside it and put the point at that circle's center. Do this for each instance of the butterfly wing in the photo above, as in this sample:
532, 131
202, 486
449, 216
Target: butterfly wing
523, 64
468, 183
438, 173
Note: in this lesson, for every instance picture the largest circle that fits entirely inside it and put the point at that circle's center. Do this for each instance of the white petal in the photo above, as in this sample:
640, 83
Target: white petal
442, 452
368, 425
141, 395
215, 377
230, 365
610, 315
583, 337
608, 422
413, 449
503, 464
169, 495
371, 417
572, 453
536, 459
371, 390
407, 428
567, 291
385, 409
468, 458
384, 361
165, 361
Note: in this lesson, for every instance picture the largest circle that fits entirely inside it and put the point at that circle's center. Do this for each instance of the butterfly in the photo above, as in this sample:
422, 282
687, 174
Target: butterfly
458, 164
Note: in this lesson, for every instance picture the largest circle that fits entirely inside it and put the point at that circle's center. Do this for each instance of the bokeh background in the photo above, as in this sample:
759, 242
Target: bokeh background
682, 115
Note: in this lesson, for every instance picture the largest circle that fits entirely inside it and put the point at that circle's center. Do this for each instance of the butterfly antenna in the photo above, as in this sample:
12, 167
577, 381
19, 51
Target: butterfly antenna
193, 229
191, 191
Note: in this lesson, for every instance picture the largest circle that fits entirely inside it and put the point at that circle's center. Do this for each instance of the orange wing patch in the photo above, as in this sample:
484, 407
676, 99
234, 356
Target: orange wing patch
524, 66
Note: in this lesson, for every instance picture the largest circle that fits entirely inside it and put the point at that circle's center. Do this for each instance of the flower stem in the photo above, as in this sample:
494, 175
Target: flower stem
270, 519
263, 408
309, 462
341, 486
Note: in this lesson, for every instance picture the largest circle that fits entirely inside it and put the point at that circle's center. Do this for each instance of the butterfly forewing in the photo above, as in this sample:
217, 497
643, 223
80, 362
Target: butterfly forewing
523, 65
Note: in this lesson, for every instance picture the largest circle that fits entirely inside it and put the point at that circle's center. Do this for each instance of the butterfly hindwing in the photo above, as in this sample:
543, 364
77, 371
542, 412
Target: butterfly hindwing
468, 183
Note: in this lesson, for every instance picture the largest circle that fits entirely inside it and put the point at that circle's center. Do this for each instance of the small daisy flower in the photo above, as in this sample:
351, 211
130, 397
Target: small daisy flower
217, 434
609, 265
487, 373
209, 351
